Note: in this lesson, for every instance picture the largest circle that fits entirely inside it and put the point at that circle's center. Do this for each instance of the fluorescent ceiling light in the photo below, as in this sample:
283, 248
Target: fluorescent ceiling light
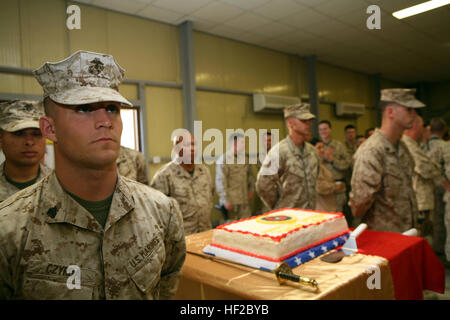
423, 7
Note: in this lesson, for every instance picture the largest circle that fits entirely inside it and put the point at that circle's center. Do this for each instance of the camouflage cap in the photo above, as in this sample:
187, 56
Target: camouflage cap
299, 111
84, 77
16, 115
404, 97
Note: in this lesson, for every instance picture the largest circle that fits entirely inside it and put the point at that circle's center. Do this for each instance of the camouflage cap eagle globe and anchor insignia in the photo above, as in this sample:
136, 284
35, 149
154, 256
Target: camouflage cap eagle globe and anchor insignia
84, 77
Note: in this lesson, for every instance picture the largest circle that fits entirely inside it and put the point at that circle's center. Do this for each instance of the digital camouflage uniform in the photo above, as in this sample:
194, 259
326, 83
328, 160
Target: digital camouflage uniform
233, 182
446, 157
43, 231
194, 193
294, 184
351, 148
17, 115
325, 190
382, 176
287, 178
427, 174
132, 164
437, 147
7, 189
339, 167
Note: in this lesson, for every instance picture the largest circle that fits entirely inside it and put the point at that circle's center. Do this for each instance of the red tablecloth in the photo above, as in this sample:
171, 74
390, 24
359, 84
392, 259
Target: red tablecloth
414, 265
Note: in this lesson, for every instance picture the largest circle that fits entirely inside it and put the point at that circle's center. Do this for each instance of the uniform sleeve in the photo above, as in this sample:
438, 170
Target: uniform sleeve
175, 253
267, 182
6, 287
446, 157
366, 179
424, 166
342, 158
221, 182
325, 183
141, 167
427, 168
436, 154
205, 216
9, 256
160, 182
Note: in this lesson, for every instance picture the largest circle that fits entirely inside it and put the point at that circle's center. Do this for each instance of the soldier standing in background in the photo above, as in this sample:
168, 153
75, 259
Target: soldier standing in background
427, 174
350, 138
189, 183
235, 180
447, 204
287, 178
436, 149
382, 192
326, 187
132, 164
23, 146
119, 239
338, 160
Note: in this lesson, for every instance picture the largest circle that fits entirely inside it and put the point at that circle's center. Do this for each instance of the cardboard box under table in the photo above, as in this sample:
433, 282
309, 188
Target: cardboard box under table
358, 276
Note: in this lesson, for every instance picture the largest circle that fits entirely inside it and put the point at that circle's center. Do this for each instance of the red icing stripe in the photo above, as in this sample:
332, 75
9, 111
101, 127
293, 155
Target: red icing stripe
284, 257
278, 238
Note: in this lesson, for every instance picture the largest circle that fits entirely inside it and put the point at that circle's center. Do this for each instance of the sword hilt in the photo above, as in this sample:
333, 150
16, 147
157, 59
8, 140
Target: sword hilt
284, 272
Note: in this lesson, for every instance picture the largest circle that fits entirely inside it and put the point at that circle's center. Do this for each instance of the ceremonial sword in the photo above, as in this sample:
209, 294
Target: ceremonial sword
283, 272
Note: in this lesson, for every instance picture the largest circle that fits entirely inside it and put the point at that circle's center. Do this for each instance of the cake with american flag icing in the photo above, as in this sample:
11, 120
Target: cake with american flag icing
283, 234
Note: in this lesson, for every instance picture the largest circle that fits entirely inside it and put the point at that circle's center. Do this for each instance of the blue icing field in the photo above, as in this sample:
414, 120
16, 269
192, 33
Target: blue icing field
316, 251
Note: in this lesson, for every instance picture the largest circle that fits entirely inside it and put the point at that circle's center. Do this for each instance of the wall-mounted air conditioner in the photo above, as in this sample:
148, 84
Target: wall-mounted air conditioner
269, 103
350, 109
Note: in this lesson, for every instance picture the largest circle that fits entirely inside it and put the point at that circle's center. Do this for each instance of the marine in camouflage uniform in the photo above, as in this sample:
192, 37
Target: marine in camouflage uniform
326, 187
288, 176
137, 255
49, 238
193, 192
132, 164
446, 157
437, 149
382, 192
338, 164
235, 183
7, 189
16, 116
427, 174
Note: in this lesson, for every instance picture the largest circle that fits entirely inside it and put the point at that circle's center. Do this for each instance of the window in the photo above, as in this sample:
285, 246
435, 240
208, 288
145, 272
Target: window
131, 128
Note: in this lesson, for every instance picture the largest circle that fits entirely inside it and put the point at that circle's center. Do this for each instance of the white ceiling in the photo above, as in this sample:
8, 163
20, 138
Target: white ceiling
409, 50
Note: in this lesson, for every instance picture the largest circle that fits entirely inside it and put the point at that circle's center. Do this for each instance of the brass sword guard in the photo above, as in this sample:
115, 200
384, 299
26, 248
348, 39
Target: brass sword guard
283, 272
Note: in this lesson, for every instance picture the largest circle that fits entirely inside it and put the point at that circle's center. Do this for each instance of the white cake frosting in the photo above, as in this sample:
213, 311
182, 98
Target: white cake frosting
279, 234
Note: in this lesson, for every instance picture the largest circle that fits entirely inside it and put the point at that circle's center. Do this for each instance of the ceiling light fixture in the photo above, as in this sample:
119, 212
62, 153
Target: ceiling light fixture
419, 8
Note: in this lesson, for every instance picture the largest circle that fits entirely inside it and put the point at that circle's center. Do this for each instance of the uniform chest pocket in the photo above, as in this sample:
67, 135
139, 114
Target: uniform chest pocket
180, 189
147, 279
53, 281
146, 273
